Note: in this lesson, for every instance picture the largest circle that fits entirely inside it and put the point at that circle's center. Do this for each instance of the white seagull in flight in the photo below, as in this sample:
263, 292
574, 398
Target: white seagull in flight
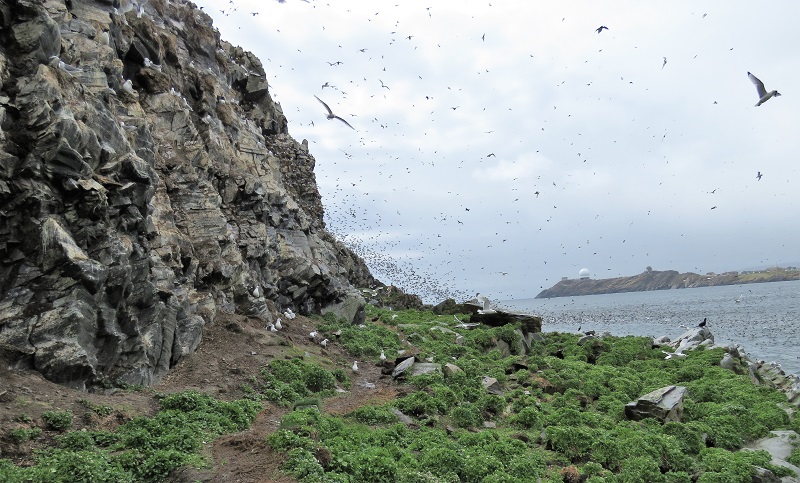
331, 115
763, 95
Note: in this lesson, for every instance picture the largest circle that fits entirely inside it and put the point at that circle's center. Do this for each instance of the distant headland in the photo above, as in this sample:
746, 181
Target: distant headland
663, 280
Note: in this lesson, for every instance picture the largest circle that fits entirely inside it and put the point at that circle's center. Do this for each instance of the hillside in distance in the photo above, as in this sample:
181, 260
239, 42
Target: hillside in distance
664, 280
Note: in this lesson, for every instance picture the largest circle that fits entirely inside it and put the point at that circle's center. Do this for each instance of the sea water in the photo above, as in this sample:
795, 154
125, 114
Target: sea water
764, 318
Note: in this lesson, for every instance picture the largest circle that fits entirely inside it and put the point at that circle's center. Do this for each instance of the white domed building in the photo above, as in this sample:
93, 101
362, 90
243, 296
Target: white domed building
583, 273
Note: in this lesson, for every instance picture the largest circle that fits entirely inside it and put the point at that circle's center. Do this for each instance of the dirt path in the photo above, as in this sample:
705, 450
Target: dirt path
233, 350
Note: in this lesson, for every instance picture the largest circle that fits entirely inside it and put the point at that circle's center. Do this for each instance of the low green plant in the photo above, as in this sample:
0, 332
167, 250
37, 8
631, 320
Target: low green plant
141, 450
21, 435
99, 409
57, 420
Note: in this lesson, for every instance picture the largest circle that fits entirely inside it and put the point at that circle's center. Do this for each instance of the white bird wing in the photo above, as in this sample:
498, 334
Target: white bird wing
762, 91
348, 124
326, 106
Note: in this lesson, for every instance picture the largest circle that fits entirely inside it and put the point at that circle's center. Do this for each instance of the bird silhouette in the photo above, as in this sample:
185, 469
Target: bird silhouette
331, 115
601, 28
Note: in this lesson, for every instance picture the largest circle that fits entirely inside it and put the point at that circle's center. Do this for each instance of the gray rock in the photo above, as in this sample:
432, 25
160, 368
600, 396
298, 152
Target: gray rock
451, 369
665, 404
424, 368
492, 386
402, 367
727, 362
779, 445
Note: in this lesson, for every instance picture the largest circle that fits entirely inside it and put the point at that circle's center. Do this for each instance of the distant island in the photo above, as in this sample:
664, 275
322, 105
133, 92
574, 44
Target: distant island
664, 280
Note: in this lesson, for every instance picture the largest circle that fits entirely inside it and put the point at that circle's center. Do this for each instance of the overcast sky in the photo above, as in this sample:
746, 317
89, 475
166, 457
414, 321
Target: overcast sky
513, 144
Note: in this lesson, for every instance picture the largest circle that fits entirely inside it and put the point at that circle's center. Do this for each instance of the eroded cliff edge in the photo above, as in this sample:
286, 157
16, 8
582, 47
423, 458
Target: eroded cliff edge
147, 182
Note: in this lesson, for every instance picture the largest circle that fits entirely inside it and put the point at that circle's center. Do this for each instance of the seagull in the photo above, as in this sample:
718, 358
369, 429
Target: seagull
739, 299
278, 324
272, 328
127, 86
382, 356
149, 63
331, 115
312, 335
664, 64
289, 314
703, 323
600, 28
759, 175
355, 366
104, 38
670, 355
324, 343
65, 67
763, 95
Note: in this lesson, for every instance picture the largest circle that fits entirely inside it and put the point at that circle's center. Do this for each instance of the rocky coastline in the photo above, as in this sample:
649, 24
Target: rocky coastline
662, 280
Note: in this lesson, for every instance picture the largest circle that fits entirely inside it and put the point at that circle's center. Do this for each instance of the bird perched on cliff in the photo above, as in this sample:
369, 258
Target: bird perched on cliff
272, 328
355, 366
278, 324
763, 95
331, 115
103, 38
289, 314
324, 343
312, 335
703, 323
63, 66
149, 63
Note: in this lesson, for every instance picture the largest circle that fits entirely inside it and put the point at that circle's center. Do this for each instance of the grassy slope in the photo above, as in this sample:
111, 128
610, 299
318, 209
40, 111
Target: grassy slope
560, 419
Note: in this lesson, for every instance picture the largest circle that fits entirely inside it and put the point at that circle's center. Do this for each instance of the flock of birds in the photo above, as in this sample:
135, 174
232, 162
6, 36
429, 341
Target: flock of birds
398, 242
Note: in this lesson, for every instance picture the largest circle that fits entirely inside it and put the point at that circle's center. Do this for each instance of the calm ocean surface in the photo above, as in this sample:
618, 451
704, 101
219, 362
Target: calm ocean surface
766, 321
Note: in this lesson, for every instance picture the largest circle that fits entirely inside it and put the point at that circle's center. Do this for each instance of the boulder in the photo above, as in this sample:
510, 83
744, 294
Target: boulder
451, 369
402, 367
492, 386
424, 368
665, 404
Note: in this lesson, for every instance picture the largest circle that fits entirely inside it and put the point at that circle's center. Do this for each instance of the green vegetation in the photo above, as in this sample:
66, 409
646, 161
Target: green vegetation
560, 418
141, 450
287, 382
57, 420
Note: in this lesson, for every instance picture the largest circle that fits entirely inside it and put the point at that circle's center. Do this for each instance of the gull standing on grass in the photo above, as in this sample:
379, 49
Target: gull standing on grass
763, 95
331, 115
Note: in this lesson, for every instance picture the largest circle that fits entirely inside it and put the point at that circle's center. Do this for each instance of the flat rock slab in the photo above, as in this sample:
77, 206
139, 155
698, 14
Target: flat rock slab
424, 368
665, 404
779, 445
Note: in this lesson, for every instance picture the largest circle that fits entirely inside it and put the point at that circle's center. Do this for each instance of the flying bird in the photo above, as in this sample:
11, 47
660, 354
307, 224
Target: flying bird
600, 28
664, 64
759, 175
763, 95
331, 115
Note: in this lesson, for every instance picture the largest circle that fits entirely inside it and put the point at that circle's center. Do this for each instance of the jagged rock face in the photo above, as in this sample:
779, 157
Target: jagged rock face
132, 212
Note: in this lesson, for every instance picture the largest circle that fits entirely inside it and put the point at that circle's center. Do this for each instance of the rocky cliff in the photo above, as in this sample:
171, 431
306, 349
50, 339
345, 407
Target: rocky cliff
660, 280
147, 183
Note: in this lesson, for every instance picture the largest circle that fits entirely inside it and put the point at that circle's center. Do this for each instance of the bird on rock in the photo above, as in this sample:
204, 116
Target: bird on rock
331, 115
763, 95
703, 323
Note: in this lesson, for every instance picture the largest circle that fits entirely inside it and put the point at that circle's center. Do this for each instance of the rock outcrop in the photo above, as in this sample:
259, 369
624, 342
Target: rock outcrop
148, 182
665, 404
